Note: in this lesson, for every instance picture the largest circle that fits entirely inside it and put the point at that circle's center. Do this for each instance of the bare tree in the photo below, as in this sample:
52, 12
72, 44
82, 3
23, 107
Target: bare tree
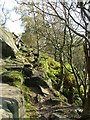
78, 26
4, 14
74, 17
85, 14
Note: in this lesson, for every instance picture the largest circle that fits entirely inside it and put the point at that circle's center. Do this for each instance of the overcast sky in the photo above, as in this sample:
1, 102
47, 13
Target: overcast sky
16, 25
12, 26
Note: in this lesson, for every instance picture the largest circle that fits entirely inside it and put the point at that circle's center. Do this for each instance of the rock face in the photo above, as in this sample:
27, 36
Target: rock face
11, 102
7, 44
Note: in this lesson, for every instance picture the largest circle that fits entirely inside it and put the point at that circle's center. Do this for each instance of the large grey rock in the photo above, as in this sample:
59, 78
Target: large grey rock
11, 102
7, 44
5, 114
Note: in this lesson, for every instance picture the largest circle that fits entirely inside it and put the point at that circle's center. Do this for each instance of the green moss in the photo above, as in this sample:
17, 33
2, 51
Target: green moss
31, 111
17, 83
69, 78
67, 68
51, 76
49, 66
26, 93
13, 78
25, 88
52, 70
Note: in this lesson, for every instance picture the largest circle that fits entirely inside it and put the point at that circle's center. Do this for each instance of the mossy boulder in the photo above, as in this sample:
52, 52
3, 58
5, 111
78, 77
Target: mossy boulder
13, 78
49, 66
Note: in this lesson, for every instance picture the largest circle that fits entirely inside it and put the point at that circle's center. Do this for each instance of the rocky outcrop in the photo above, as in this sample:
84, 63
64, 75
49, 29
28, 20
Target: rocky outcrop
7, 43
36, 76
11, 102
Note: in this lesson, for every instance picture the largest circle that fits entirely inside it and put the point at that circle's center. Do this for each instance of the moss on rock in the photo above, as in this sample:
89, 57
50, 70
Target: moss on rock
49, 66
14, 78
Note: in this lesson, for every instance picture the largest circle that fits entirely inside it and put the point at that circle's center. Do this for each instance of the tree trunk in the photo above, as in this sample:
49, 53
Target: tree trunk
61, 73
86, 110
38, 47
55, 54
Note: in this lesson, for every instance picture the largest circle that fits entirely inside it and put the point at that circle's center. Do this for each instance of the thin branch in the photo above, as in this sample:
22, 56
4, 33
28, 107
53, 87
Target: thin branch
81, 35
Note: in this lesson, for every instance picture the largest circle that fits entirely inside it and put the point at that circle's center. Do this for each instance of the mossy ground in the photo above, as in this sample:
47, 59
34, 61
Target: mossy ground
31, 110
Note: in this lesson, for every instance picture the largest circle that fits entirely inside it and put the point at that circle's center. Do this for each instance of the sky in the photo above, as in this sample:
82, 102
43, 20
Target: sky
13, 25
10, 25
16, 25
